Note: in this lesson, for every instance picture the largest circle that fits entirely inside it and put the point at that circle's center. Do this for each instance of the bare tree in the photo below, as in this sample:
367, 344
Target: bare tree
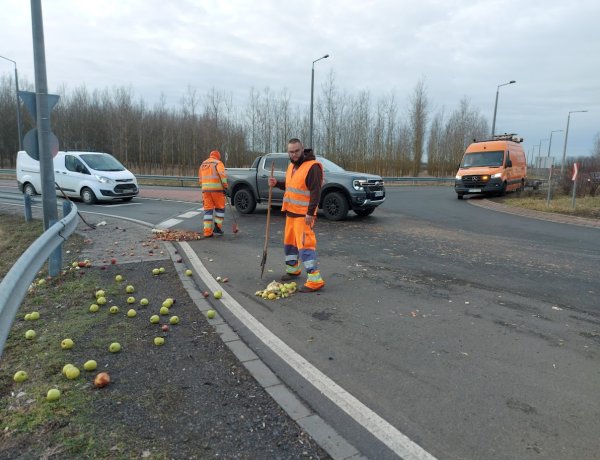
418, 109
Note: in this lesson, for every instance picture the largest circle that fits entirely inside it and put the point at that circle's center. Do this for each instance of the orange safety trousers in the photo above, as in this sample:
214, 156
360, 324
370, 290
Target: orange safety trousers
300, 244
214, 211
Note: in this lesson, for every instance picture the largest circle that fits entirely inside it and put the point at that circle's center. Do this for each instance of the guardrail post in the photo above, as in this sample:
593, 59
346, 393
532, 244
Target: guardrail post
55, 260
27, 199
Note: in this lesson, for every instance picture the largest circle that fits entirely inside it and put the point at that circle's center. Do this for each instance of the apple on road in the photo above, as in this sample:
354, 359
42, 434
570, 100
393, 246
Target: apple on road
131, 313
218, 294
158, 341
101, 380
118, 278
144, 302
154, 319
130, 299
155, 271
129, 289
188, 272
210, 314
90, 365
174, 320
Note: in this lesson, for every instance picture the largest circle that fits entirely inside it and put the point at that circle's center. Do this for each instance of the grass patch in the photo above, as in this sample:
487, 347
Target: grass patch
588, 206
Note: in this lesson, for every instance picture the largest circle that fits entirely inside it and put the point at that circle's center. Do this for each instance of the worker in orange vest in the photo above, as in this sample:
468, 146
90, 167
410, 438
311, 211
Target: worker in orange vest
302, 186
213, 178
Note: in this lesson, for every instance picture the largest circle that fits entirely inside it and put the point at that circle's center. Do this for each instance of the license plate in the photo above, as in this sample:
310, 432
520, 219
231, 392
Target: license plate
474, 190
379, 193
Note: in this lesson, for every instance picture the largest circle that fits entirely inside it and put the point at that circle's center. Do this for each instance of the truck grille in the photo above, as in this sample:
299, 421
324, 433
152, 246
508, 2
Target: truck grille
374, 189
472, 181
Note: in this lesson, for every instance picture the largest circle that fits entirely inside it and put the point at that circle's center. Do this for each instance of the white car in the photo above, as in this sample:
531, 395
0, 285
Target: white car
91, 176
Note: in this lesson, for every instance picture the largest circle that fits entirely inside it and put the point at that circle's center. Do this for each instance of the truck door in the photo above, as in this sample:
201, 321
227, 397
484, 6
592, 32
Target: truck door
264, 171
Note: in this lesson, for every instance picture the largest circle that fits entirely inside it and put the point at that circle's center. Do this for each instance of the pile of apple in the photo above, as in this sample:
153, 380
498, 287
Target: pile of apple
276, 290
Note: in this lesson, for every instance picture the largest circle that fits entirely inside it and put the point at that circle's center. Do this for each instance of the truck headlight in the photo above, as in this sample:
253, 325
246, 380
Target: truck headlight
358, 184
458, 176
496, 176
104, 180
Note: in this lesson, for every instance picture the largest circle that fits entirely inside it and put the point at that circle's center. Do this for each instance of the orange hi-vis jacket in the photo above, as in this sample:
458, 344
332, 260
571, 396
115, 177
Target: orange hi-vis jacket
213, 176
297, 196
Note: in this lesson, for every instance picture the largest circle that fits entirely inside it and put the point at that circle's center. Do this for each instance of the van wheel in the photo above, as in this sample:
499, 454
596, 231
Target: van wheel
29, 189
502, 190
335, 206
244, 201
87, 196
460, 196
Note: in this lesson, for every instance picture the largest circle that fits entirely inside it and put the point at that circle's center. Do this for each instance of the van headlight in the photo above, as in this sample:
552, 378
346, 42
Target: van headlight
104, 180
358, 184
496, 176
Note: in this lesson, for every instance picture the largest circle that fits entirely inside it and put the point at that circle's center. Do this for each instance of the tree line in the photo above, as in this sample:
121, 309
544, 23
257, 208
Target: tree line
357, 131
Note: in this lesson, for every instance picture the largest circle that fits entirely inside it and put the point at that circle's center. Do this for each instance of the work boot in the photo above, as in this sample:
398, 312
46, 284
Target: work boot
289, 277
217, 231
304, 288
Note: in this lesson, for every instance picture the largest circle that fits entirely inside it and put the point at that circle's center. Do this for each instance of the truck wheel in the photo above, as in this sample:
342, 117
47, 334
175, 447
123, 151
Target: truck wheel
460, 196
335, 206
87, 196
29, 189
244, 201
364, 212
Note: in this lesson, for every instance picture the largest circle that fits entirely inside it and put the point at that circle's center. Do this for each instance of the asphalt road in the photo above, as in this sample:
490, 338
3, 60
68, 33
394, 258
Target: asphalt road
474, 333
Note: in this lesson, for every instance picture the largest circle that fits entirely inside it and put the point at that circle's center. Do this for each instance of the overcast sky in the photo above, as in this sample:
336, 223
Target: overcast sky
460, 48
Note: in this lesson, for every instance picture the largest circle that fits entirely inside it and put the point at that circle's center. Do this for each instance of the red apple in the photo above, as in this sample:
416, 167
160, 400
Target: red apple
102, 379
165, 328
81, 264
205, 293
113, 261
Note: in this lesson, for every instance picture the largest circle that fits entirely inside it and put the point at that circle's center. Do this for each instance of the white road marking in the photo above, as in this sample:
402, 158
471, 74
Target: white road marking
189, 214
376, 425
169, 223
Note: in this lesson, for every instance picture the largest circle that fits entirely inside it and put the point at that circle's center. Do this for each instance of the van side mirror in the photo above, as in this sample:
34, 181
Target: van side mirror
509, 163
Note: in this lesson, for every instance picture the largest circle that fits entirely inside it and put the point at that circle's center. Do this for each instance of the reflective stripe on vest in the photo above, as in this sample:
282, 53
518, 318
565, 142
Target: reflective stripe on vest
297, 196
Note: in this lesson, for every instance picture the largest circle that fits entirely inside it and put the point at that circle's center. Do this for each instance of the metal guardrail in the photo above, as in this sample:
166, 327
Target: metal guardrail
16, 282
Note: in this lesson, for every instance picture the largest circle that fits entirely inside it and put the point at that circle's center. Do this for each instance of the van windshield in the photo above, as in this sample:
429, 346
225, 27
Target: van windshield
102, 162
493, 159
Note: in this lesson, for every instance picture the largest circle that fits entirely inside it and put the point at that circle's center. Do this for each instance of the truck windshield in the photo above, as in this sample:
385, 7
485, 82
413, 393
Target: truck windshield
494, 159
102, 162
329, 166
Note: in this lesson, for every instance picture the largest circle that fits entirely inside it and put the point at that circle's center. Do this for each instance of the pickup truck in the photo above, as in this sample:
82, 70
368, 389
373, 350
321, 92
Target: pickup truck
342, 190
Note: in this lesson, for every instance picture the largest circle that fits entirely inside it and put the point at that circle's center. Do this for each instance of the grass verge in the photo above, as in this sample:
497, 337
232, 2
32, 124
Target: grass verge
584, 207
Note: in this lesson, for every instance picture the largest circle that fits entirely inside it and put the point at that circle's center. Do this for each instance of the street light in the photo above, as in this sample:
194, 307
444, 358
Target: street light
562, 166
18, 109
312, 90
496, 105
550, 144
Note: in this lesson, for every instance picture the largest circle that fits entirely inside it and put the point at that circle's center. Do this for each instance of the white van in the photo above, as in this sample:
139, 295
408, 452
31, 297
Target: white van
91, 176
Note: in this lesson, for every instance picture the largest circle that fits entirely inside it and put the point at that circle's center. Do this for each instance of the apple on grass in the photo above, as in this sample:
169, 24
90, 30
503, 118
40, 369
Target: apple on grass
144, 302
100, 293
155, 271
174, 320
67, 344
114, 347
130, 299
20, 376
164, 311
154, 319
34, 316
72, 373
101, 300
114, 309
94, 308
118, 278
90, 365
129, 289
53, 394
30, 334
131, 313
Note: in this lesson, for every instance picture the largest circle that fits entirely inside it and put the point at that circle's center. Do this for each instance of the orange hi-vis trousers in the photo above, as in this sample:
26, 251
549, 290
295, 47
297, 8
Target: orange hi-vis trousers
300, 244
214, 211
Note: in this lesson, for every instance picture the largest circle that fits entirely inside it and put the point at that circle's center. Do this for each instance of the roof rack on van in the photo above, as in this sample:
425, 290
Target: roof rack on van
508, 137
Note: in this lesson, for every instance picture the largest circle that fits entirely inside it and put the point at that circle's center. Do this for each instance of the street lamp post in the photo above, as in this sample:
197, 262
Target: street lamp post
550, 144
562, 165
496, 105
312, 91
18, 109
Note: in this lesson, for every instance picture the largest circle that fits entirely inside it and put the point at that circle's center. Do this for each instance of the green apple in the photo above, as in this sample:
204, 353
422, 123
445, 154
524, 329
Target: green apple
67, 344
154, 319
161, 270
144, 302
34, 316
188, 272
41, 282
53, 394
100, 293
90, 365
114, 347
168, 302
28, 317
114, 309
20, 376
164, 311
210, 314
174, 320
131, 313
129, 289
131, 299
218, 294
101, 300
118, 278
72, 373
30, 334
65, 367
94, 307
155, 271
159, 341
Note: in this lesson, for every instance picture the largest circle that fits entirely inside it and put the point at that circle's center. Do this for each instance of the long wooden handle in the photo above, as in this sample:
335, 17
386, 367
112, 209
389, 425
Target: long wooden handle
264, 257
